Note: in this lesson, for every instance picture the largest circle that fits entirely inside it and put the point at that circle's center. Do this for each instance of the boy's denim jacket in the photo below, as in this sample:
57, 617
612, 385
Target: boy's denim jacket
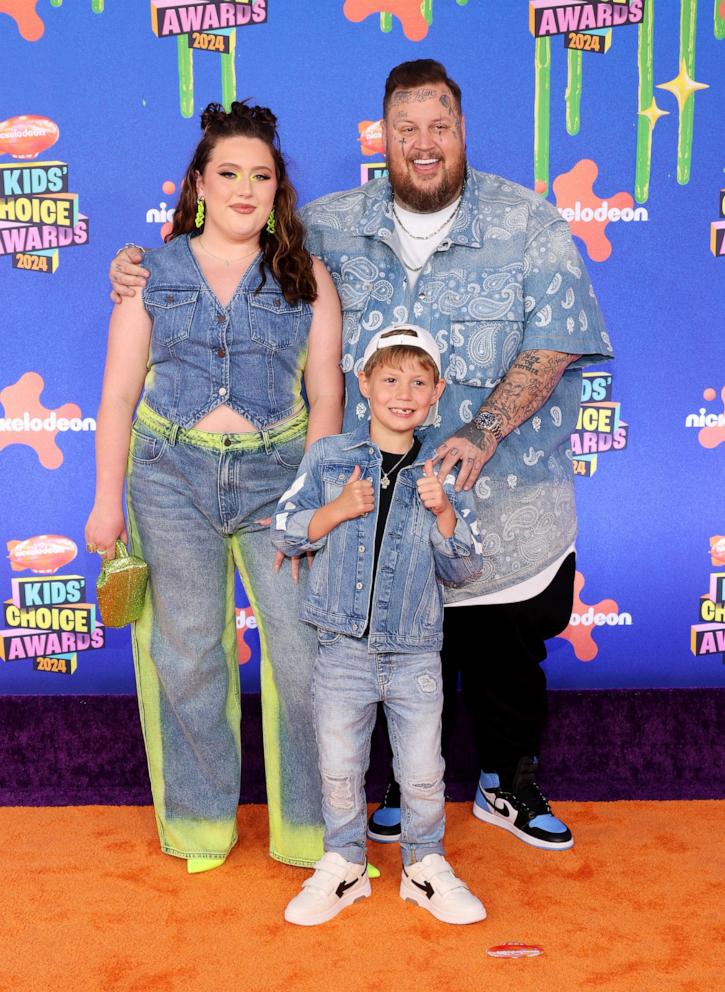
407, 612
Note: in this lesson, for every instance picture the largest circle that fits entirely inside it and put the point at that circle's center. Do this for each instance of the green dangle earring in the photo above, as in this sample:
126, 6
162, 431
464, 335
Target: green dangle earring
271, 222
199, 219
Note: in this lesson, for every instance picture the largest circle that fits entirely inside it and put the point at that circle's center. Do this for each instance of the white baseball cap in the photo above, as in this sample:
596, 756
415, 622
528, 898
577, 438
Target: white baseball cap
410, 336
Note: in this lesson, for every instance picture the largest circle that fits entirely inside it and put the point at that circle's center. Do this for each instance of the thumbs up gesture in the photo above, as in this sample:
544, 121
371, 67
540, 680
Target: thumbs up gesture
433, 497
356, 497
431, 491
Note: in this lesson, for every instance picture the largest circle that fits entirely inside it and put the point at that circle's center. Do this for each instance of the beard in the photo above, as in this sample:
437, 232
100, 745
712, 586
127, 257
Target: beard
424, 198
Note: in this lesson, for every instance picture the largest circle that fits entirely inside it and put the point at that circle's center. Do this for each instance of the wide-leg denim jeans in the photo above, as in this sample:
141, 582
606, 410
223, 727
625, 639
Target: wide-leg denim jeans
349, 681
197, 506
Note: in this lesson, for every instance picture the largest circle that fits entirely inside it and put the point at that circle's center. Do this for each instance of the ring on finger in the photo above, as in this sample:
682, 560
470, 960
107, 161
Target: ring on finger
91, 548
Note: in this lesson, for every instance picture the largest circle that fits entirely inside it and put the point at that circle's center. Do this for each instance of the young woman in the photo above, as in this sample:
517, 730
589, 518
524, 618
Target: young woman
235, 314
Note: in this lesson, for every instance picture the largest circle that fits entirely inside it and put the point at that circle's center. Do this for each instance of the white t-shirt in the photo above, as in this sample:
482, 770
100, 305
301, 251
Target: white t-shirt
415, 251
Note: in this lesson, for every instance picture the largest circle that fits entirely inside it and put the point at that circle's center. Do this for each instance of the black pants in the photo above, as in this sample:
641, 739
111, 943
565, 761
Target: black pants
498, 652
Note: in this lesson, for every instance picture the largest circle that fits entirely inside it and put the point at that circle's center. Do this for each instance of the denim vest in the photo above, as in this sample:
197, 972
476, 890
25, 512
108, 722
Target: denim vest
506, 279
406, 614
248, 355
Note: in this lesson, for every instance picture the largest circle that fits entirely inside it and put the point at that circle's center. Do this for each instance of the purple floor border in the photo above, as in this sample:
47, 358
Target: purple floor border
600, 745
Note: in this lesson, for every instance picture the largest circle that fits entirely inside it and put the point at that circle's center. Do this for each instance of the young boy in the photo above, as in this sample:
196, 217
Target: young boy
386, 532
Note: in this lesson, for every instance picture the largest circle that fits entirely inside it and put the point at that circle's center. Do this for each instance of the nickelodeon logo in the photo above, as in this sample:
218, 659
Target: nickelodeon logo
711, 425
603, 213
587, 213
27, 421
586, 618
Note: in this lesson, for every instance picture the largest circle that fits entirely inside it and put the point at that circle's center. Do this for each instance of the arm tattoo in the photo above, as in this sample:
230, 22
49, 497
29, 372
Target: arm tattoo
527, 386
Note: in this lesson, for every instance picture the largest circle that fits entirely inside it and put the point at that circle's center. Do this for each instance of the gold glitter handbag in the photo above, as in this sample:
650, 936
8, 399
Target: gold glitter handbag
121, 588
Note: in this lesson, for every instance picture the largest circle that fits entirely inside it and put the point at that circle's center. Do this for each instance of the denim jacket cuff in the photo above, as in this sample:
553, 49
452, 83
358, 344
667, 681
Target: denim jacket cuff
457, 546
294, 527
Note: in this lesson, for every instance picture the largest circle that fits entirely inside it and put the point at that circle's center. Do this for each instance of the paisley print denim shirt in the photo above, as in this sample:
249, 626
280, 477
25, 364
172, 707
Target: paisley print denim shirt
506, 279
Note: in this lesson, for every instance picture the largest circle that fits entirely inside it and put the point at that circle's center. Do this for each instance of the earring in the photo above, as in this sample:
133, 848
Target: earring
199, 219
271, 222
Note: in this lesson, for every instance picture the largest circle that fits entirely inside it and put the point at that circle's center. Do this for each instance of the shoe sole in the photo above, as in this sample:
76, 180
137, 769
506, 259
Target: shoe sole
497, 821
383, 838
409, 893
363, 892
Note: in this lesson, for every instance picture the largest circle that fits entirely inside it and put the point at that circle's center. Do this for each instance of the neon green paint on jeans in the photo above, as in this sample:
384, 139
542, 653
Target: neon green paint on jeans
291, 843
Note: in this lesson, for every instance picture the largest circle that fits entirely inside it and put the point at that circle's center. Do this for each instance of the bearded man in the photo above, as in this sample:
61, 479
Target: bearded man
490, 269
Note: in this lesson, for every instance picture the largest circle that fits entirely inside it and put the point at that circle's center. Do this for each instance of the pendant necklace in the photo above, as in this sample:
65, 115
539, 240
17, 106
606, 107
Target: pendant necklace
385, 476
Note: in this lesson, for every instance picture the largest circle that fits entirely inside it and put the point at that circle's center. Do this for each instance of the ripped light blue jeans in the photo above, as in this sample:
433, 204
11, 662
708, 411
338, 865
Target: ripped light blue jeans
349, 680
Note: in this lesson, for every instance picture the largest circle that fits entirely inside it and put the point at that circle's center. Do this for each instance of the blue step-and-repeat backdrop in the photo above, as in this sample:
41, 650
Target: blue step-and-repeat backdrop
614, 111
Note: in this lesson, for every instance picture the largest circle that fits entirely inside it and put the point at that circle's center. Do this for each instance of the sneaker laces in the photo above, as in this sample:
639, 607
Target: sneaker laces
525, 789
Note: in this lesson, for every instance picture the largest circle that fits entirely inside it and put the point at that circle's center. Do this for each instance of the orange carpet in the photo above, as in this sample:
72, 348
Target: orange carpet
90, 905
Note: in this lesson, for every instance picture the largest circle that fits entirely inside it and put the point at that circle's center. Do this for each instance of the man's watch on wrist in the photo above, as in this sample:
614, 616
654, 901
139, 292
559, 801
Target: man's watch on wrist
487, 421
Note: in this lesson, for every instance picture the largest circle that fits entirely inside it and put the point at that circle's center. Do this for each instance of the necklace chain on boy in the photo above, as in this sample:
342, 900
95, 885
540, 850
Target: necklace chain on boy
385, 476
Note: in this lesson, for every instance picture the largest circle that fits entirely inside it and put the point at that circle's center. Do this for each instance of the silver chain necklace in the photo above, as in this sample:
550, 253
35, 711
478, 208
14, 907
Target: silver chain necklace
427, 237
385, 476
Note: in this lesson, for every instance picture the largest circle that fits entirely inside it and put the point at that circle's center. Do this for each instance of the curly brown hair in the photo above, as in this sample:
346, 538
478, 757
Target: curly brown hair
283, 253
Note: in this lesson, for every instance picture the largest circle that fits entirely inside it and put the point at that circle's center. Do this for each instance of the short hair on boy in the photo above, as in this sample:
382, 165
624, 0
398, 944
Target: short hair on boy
396, 355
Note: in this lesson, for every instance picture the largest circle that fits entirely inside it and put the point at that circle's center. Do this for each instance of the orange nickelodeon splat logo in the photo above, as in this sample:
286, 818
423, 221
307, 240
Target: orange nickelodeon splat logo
584, 618
246, 621
23, 12
371, 137
415, 16
587, 213
27, 421
712, 425
408, 12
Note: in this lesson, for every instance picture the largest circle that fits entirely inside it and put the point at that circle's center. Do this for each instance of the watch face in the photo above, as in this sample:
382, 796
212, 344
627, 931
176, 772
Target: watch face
487, 421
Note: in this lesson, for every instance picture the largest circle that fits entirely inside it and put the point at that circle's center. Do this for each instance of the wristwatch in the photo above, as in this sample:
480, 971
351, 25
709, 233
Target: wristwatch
487, 421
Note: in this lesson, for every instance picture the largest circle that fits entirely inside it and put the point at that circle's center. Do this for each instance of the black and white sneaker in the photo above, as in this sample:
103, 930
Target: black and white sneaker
384, 824
335, 884
522, 810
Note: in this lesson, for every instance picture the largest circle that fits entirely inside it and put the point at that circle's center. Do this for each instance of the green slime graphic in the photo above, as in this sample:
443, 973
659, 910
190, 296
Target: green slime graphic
688, 23
426, 9
97, 6
542, 115
229, 73
719, 22
645, 95
185, 57
574, 91
386, 22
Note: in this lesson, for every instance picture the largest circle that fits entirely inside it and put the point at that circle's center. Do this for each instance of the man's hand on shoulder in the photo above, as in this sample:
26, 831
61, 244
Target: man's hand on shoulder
126, 272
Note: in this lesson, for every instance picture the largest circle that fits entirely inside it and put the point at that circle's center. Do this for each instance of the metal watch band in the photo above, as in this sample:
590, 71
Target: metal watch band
487, 421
